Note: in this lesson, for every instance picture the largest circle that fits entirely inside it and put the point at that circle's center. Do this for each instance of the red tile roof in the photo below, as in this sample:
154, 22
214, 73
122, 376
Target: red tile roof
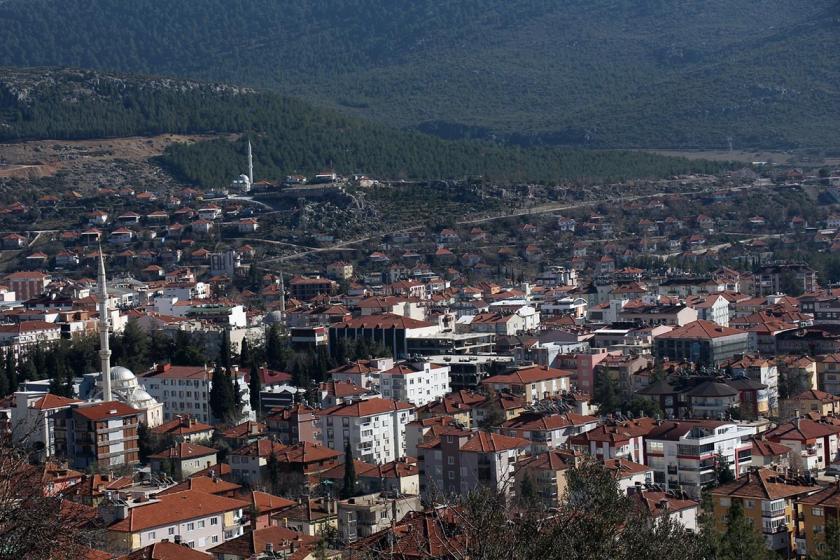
703, 330
367, 407
175, 508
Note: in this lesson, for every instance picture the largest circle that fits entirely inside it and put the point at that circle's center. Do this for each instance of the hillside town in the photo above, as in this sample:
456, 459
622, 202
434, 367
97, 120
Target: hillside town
216, 376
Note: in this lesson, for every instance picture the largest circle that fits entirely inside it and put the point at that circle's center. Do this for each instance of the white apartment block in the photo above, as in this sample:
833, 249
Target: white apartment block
417, 383
375, 428
186, 390
683, 454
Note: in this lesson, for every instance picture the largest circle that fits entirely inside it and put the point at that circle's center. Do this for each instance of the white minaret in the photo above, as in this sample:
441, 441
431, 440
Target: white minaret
250, 164
104, 347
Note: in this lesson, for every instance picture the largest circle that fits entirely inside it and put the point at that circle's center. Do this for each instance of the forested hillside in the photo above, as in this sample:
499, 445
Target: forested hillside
582, 72
288, 135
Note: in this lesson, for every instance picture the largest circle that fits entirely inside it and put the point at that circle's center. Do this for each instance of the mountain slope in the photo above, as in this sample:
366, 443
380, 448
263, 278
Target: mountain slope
588, 72
288, 135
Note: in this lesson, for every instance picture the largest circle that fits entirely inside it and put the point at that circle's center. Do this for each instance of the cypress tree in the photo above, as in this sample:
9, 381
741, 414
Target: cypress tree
4, 380
245, 354
11, 371
255, 386
224, 351
348, 490
222, 400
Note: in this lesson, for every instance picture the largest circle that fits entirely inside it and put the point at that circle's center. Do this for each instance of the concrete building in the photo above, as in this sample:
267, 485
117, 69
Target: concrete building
194, 518
533, 383
374, 427
363, 516
99, 435
684, 454
416, 382
701, 342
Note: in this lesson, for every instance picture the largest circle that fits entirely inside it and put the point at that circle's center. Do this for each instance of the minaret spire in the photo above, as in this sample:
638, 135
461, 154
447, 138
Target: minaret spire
104, 346
250, 164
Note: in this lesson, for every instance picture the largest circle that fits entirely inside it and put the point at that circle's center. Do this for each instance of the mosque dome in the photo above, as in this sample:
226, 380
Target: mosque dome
119, 373
275, 317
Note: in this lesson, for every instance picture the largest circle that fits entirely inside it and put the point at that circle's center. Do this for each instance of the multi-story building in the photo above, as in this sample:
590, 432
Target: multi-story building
307, 288
98, 435
546, 472
781, 278
417, 383
767, 498
197, 519
27, 285
814, 512
392, 331
807, 402
660, 505
685, 454
186, 390
814, 445
628, 474
24, 336
615, 440
294, 424
458, 461
765, 372
374, 427
701, 342
32, 419
533, 383
547, 431
363, 516
182, 460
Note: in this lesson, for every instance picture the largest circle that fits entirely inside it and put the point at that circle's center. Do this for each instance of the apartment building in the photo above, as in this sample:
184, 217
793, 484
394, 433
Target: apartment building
417, 383
363, 516
98, 435
546, 472
684, 454
27, 285
33, 417
186, 390
533, 383
768, 500
701, 342
374, 427
615, 439
458, 461
547, 431
813, 445
182, 460
191, 517
814, 512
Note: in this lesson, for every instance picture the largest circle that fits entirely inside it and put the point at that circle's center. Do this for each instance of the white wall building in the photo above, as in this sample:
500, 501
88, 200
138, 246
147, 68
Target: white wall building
375, 428
683, 454
417, 383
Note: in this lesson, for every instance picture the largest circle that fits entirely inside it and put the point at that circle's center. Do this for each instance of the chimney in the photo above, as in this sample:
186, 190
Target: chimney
269, 548
796, 414
663, 504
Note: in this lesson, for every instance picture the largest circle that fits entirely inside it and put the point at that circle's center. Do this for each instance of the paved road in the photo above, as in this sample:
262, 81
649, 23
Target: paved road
541, 209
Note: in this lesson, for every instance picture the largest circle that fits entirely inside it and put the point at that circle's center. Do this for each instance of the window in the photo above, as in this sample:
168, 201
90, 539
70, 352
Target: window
817, 512
725, 502
214, 521
451, 475
201, 524
214, 539
190, 526
383, 514
450, 460
748, 504
171, 531
151, 535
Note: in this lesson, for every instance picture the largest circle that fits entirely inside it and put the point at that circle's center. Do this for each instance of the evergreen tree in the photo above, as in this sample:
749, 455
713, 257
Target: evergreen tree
348, 490
740, 541
527, 491
4, 380
245, 354
606, 393
494, 415
224, 351
135, 345
27, 371
830, 549
11, 371
275, 351
185, 353
722, 470
222, 399
272, 468
255, 386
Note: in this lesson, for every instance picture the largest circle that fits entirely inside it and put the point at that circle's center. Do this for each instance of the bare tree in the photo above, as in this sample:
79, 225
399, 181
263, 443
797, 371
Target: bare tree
36, 523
